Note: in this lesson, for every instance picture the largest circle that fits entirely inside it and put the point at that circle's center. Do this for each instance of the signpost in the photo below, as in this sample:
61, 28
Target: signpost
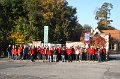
45, 35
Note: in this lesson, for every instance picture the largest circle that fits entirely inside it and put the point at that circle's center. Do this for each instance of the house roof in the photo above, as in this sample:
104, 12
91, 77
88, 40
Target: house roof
115, 34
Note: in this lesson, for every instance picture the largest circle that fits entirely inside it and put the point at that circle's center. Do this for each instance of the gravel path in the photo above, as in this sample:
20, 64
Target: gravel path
60, 70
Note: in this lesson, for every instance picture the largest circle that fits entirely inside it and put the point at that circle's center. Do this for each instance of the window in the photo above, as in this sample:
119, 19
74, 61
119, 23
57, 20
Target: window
119, 46
111, 46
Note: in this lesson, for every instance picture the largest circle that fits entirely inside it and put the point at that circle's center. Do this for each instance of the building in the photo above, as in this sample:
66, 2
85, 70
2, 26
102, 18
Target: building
114, 40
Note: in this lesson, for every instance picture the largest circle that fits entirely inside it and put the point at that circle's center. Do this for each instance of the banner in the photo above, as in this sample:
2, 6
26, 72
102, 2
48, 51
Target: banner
87, 37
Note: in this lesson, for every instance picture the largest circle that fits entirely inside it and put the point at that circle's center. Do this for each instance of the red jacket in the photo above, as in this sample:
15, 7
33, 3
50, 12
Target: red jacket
104, 51
96, 52
19, 50
69, 51
36, 50
49, 52
89, 50
42, 51
92, 51
13, 51
32, 51
58, 50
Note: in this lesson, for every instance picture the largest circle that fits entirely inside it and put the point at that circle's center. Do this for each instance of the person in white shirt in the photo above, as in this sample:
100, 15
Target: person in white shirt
76, 53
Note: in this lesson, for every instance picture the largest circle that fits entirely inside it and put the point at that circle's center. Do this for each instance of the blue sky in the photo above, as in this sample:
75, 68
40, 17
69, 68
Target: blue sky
86, 11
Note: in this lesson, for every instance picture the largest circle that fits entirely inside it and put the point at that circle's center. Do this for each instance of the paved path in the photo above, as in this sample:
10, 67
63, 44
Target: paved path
10, 69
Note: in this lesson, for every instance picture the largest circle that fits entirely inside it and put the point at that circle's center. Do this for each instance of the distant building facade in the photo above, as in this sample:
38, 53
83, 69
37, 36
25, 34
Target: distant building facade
114, 40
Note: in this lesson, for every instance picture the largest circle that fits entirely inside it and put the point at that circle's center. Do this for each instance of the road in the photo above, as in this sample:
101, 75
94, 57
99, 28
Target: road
20, 69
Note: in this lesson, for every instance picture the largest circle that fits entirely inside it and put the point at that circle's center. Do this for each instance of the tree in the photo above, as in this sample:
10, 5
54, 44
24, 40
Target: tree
87, 28
78, 32
56, 14
103, 16
22, 21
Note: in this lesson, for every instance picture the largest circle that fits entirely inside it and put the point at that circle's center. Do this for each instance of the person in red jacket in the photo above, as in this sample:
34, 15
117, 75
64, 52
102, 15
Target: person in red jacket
96, 54
36, 52
39, 54
49, 54
103, 53
59, 53
42, 51
15, 52
88, 53
69, 53
92, 53
19, 51
32, 52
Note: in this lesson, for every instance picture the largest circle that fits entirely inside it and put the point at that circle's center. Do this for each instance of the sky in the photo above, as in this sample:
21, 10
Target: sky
86, 11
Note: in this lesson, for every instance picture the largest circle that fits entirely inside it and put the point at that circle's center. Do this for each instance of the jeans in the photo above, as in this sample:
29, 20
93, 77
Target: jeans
13, 56
43, 57
99, 58
19, 56
63, 58
9, 55
55, 58
50, 58
80, 57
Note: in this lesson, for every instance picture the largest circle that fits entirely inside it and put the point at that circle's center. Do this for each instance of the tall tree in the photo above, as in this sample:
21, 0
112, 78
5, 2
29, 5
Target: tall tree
60, 16
77, 33
56, 14
103, 16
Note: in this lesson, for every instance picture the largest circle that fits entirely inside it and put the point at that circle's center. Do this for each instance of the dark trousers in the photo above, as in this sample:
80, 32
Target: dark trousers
32, 57
59, 56
88, 56
104, 57
96, 57
92, 57
69, 58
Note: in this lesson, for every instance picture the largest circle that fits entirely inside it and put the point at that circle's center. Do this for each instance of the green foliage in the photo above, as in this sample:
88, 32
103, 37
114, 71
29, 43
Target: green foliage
87, 28
103, 12
22, 21
103, 16
106, 28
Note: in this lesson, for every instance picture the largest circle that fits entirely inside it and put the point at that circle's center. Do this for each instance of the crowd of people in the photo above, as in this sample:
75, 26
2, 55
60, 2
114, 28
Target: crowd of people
56, 53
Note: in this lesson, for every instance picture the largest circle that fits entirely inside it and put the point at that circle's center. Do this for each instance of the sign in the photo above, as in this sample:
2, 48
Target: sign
36, 43
45, 35
87, 37
74, 44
